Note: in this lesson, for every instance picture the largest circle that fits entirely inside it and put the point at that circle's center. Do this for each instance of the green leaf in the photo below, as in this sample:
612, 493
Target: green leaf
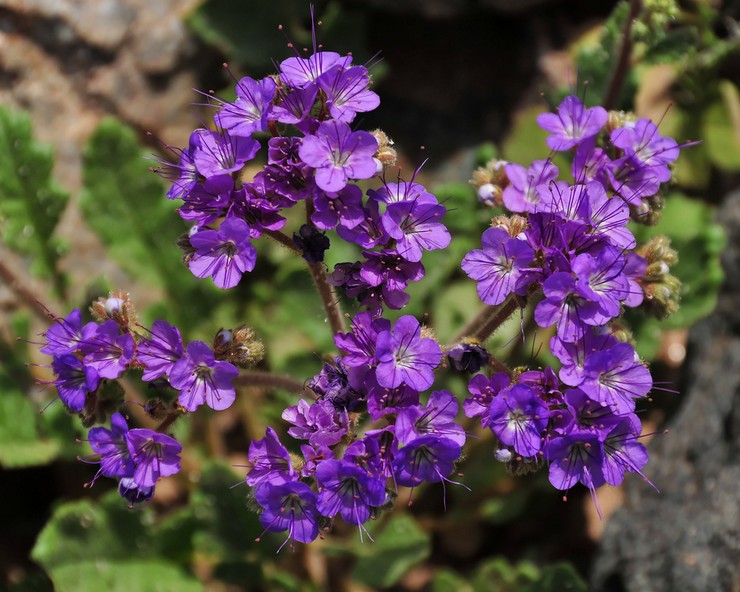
721, 128
30, 202
561, 577
671, 46
123, 576
227, 528
447, 580
498, 575
106, 546
398, 547
124, 204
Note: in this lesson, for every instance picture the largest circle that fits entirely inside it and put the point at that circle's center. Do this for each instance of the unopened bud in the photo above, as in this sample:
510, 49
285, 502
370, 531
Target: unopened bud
490, 181
468, 356
514, 225
183, 243
519, 465
118, 307
239, 346
156, 409
617, 119
649, 212
662, 298
386, 154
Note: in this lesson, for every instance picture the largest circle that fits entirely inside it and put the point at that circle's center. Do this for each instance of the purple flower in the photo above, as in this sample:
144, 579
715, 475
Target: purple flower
110, 444
155, 455
220, 154
159, 354
64, 336
622, 452
344, 207
347, 92
203, 380
416, 227
224, 254
518, 418
642, 141
339, 154
383, 401
404, 356
297, 72
203, 207
437, 417
484, 389
105, 350
521, 194
600, 280
572, 355
270, 461
74, 380
348, 490
320, 423
294, 106
501, 267
428, 458
572, 124
332, 384
576, 457
564, 306
359, 343
249, 113
615, 377
289, 506
183, 175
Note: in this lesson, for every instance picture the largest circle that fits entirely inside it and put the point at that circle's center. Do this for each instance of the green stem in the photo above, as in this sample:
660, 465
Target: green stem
25, 293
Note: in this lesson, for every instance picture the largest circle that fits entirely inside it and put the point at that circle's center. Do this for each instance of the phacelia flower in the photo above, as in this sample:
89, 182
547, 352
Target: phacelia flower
404, 356
572, 124
224, 254
339, 154
201, 379
155, 455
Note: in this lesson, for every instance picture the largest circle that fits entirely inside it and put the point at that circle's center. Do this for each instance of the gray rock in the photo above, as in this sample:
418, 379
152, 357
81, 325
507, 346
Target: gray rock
687, 537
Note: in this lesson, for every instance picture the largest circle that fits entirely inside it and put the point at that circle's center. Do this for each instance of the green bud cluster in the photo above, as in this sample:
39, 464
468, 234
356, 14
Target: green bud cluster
662, 290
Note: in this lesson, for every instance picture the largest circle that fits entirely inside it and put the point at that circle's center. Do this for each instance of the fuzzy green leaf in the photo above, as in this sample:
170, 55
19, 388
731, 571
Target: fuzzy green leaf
124, 204
398, 547
30, 201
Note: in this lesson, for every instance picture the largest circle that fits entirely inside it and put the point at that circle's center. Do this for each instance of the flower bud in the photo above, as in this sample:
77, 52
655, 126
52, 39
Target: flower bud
617, 119
649, 212
490, 181
520, 465
468, 356
118, 307
239, 346
156, 409
514, 225
183, 243
386, 154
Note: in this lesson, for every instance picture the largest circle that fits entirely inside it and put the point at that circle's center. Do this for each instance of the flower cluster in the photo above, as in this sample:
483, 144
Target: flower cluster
351, 468
89, 358
313, 156
375, 424
572, 240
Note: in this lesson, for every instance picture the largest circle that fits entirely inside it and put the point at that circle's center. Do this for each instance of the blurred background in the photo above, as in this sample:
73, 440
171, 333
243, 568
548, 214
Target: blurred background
89, 89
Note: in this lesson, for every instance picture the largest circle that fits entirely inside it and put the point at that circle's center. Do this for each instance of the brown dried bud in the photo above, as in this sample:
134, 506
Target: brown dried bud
386, 154
156, 409
490, 181
239, 346
514, 225
116, 306
617, 119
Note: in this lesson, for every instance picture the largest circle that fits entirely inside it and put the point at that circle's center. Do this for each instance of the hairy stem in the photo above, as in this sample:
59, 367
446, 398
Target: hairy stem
24, 292
329, 297
490, 318
257, 378
623, 62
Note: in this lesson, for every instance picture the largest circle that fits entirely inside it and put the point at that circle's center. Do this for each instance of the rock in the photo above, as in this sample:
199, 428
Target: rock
686, 537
